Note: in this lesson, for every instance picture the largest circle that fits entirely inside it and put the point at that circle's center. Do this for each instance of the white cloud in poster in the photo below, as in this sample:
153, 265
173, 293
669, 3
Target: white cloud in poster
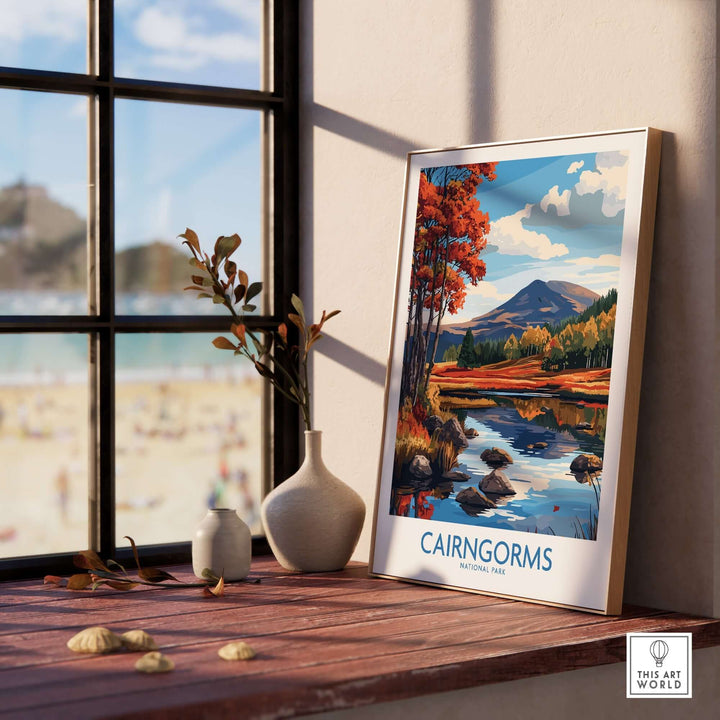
610, 177
487, 291
559, 200
602, 261
575, 166
512, 238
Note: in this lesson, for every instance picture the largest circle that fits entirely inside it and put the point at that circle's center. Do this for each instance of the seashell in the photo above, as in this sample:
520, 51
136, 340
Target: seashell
94, 640
154, 662
138, 640
236, 651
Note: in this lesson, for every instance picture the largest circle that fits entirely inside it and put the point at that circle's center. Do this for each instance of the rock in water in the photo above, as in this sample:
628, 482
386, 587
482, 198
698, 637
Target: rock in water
420, 467
452, 431
497, 483
496, 457
433, 423
471, 433
456, 476
474, 498
586, 463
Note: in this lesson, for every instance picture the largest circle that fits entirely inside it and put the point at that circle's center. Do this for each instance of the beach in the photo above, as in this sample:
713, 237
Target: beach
184, 442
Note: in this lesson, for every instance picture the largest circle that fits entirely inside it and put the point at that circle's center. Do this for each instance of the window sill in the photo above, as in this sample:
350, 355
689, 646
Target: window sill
324, 642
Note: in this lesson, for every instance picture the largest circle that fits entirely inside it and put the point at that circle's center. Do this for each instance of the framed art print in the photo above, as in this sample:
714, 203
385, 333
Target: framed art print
515, 361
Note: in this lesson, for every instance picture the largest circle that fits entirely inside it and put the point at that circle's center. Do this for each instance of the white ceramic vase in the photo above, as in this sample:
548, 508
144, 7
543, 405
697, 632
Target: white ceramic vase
222, 542
313, 520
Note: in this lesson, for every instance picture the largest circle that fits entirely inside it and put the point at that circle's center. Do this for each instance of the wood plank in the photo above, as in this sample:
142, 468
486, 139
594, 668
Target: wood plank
340, 642
324, 641
343, 683
223, 620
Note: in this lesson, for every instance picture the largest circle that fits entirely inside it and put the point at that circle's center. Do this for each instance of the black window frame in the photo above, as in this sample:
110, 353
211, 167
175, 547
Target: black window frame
282, 104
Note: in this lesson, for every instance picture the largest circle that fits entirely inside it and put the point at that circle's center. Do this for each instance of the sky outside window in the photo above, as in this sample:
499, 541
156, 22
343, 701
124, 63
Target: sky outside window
205, 42
181, 166
44, 34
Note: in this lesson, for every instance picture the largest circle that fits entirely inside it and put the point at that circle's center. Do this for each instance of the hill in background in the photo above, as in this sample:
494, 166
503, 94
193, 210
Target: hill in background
538, 303
43, 245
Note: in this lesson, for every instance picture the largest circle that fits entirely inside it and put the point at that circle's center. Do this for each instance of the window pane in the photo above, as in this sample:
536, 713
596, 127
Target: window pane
181, 166
44, 34
188, 436
190, 41
43, 203
43, 444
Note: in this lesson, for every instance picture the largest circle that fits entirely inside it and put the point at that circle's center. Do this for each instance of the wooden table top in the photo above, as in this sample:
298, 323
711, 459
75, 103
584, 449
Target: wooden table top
323, 641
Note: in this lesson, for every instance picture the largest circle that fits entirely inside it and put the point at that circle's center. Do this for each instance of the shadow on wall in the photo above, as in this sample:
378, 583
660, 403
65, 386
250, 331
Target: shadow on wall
350, 357
388, 141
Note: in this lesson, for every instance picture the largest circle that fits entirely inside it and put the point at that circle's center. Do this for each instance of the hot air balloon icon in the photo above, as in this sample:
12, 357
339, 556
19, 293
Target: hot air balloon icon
659, 650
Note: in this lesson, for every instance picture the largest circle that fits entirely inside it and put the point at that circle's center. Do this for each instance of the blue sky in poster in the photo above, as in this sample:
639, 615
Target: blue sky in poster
176, 165
552, 218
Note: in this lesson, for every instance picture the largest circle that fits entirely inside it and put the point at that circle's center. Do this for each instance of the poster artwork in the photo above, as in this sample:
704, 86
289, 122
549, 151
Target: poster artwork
509, 343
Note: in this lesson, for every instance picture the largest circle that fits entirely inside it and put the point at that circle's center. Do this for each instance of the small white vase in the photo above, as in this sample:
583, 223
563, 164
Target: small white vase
222, 543
313, 520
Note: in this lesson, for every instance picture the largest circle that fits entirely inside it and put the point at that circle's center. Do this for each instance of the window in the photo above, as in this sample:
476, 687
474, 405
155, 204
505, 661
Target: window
123, 124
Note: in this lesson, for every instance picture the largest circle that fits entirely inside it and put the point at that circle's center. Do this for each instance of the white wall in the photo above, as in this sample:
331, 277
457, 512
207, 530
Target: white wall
382, 77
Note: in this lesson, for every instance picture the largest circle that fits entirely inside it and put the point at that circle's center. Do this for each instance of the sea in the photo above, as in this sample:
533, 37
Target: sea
48, 358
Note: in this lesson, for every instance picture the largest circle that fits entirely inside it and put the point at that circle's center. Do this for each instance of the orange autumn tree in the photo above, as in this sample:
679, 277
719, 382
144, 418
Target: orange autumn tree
450, 233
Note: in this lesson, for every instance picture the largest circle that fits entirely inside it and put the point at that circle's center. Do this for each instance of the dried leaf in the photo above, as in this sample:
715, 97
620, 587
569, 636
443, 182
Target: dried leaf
264, 370
330, 315
204, 295
239, 292
254, 289
297, 321
191, 239
249, 308
230, 269
297, 303
222, 343
134, 551
218, 299
79, 581
216, 591
282, 331
155, 575
119, 584
313, 339
238, 330
226, 246
55, 580
89, 560
194, 262
242, 278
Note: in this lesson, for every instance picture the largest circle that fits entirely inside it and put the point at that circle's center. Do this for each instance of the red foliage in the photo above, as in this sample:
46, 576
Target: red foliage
402, 504
411, 423
423, 508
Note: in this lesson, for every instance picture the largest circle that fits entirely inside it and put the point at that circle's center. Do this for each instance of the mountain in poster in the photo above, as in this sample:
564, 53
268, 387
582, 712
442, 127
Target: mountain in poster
43, 244
538, 303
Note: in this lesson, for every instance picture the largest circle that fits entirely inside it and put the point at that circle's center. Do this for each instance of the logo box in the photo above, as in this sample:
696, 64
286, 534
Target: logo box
659, 665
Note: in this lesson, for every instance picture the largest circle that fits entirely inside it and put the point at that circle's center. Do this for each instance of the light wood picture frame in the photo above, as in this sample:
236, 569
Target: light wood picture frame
513, 379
